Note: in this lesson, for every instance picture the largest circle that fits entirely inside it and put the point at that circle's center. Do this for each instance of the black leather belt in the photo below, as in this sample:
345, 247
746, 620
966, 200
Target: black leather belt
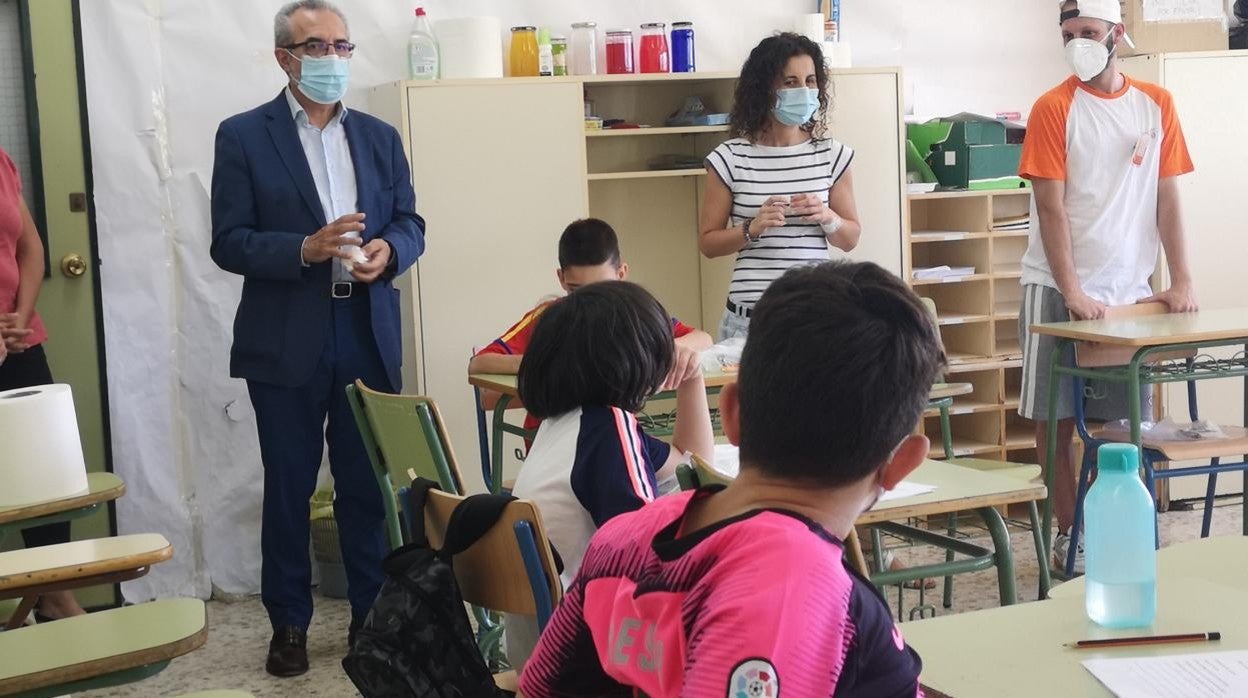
739, 310
346, 289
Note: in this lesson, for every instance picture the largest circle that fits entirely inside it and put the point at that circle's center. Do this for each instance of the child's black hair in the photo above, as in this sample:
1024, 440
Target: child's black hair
836, 372
588, 242
606, 344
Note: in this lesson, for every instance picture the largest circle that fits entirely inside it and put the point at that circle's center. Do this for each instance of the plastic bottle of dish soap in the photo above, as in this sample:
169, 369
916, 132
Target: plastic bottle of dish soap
422, 49
1121, 557
545, 53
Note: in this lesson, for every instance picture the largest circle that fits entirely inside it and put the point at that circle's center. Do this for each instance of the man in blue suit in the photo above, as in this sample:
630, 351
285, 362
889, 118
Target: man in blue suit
313, 205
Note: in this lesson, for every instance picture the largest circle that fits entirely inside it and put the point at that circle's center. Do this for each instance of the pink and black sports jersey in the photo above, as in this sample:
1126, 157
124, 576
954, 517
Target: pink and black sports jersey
743, 609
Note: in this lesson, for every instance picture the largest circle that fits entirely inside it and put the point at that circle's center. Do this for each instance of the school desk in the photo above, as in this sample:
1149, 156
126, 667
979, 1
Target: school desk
1019, 651
101, 489
1221, 560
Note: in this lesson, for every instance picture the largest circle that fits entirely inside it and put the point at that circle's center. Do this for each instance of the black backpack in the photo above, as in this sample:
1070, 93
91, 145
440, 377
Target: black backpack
416, 641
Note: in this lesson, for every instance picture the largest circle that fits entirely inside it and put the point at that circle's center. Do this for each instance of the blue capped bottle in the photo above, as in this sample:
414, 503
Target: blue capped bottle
1120, 552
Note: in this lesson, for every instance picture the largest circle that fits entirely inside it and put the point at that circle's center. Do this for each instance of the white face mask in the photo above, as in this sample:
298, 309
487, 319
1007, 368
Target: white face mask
1088, 58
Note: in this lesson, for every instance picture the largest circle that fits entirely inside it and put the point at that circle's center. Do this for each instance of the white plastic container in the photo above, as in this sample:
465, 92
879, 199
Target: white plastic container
422, 49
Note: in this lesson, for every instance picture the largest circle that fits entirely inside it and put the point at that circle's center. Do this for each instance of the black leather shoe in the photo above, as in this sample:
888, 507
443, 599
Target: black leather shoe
356, 624
288, 652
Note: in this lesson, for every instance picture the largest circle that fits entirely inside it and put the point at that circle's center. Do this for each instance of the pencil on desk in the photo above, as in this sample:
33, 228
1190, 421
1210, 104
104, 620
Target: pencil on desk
1145, 640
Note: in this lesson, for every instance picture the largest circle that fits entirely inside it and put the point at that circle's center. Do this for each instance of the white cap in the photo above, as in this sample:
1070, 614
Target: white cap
1108, 10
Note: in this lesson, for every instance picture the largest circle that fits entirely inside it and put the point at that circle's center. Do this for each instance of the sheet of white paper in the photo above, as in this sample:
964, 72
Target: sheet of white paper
1203, 675
1183, 10
727, 461
906, 488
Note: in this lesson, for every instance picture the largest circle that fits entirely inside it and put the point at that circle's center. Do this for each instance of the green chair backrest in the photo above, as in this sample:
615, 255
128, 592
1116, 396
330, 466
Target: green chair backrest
403, 435
686, 477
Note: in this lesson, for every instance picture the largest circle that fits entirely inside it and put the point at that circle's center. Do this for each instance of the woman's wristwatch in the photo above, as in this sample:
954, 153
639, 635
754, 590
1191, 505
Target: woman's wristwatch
745, 231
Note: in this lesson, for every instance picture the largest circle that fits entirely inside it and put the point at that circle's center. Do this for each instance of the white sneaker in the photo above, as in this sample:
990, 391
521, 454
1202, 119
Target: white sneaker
1061, 546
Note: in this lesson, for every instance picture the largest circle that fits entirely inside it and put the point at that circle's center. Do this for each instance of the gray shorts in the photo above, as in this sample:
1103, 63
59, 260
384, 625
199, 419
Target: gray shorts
1104, 401
733, 325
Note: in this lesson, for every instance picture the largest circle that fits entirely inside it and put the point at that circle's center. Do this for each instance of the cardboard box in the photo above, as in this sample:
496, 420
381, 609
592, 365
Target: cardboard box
1169, 37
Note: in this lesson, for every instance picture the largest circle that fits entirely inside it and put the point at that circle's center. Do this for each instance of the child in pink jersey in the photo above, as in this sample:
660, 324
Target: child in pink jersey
744, 590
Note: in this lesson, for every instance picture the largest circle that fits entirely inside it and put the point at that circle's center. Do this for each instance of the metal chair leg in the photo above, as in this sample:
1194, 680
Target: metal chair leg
1207, 520
947, 599
1076, 528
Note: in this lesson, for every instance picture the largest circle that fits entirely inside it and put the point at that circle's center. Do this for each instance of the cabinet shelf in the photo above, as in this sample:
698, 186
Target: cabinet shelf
655, 131
960, 319
1007, 271
971, 405
962, 446
645, 174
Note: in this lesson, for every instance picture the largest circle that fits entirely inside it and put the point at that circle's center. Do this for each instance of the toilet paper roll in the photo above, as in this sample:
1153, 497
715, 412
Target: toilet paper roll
40, 452
470, 47
810, 26
837, 54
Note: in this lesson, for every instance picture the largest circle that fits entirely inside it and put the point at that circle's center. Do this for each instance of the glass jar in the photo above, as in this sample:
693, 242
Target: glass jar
619, 51
559, 53
524, 61
654, 54
584, 48
682, 48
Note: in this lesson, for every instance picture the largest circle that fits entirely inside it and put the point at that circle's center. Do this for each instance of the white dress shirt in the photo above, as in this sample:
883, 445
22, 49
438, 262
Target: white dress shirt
329, 158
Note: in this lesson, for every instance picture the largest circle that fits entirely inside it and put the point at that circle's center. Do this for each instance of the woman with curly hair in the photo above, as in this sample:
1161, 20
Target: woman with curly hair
780, 192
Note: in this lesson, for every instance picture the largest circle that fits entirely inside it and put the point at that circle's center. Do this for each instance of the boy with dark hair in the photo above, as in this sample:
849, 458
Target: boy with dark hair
747, 587
589, 252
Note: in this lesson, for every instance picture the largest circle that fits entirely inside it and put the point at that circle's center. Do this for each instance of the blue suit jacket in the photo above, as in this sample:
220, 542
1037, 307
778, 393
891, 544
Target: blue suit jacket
264, 203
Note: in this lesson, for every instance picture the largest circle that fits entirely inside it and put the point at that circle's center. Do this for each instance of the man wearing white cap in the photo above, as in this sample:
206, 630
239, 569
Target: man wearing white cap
1103, 153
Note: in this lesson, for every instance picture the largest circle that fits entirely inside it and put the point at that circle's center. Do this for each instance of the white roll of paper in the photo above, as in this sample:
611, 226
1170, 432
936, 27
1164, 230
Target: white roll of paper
470, 47
40, 452
810, 26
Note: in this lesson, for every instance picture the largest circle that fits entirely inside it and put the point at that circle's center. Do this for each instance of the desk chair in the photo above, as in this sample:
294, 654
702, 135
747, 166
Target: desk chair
702, 473
510, 569
404, 436
1089, 355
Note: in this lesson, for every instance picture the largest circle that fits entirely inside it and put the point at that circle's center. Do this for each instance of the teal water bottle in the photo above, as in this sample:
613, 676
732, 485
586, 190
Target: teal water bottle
1121, 560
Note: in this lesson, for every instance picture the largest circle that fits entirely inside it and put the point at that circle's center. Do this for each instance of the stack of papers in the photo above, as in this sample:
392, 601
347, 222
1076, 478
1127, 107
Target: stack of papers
728, 459
1017, 223
941, 272
1202, 675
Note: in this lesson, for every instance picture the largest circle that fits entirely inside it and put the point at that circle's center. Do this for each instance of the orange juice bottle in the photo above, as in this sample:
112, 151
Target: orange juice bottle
524, 61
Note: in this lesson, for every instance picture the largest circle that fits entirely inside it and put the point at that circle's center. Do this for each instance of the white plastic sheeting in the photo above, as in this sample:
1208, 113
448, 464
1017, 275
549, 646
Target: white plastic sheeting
160, 77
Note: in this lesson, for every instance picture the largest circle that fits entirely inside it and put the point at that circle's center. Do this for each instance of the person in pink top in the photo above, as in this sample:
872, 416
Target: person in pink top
23, 335
745, 590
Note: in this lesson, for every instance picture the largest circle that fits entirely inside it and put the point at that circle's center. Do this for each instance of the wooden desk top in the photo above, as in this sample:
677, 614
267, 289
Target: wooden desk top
101, 487
1018, 650
96, 644
941, 391
506, 383
957, 489
1222, 560
1154, 330
23, 569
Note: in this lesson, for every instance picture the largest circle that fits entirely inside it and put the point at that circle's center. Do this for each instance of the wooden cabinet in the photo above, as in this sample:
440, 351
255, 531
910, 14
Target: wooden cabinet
1211, 95
501, 166
977, 312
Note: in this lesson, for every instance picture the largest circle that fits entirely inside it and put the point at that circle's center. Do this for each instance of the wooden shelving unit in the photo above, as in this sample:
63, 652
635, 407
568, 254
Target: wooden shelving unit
977, 313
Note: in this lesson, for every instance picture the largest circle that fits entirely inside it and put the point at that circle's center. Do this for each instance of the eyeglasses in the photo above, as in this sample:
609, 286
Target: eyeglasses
319, 49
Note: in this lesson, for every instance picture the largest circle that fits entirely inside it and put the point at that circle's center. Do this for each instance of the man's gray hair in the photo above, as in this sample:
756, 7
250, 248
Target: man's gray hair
283, 35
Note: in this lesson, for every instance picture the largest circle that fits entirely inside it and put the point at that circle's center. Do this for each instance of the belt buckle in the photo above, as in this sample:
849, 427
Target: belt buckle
341, 289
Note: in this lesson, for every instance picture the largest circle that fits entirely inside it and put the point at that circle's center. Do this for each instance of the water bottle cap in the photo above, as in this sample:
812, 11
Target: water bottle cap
1120, 457
420, 12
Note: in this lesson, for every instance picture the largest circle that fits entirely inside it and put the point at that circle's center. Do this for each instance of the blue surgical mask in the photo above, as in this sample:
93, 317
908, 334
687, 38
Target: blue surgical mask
324, 80
795, 105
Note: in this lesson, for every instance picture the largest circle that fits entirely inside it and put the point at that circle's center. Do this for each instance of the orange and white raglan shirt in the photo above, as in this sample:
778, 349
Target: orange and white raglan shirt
1111, 150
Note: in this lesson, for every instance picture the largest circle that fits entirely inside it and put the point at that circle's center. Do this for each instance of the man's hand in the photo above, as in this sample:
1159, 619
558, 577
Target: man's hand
686, 364
1180, 299
325, 243
1084, 307
13, 333
378, 252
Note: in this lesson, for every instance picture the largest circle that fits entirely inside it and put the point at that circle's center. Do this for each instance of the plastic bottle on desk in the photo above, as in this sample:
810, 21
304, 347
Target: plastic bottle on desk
422, 49
1120, 548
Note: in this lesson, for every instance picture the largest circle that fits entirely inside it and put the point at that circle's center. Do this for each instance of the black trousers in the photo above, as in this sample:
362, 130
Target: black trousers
23, 370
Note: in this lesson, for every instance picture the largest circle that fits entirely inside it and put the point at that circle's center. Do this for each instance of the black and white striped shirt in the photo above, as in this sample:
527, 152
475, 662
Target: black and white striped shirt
755, 172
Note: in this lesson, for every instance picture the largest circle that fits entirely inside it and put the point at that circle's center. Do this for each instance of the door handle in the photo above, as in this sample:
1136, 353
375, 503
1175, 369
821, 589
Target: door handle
73, 265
